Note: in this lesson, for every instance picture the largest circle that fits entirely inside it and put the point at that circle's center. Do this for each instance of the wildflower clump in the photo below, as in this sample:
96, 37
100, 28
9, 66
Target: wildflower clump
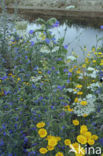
46, 97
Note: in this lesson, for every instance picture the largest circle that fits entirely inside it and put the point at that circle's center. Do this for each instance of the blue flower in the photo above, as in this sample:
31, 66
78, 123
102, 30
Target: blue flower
4, 77
68, 81
60, 87
10, 154
66, 47
101, 141
53, 68
47, 40
48, 71
56, 24
26, 57
1, 142
3, 126
101, 27
69, 74
59, 59
33, 86
65, 70
32, 43
4, 133
31, 31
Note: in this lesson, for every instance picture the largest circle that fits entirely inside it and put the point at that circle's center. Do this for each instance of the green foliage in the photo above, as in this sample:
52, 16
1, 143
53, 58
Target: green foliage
38, 83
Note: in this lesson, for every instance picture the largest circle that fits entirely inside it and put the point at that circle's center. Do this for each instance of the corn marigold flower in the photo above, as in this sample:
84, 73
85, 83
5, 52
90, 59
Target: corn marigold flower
70, 109
42, 133
75, 122
76, 100
59, 154
52, 141
40, 124
82, 139
94, 137
67, 142
84, 103
88, 135
75, 145
58, 138
80, 152
43, 150
85, 115
91, 142
84, 127
94, 61
101, 64
39, 72
50, 148
79, 86
78, 71
79, 93
84, 65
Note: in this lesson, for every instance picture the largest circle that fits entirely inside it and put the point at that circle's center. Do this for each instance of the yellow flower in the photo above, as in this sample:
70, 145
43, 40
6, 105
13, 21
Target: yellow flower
84, 103
85, 115
66, 107
70, 109
59, 154
78, 71
83, 129
75, 122
88, 135
42, 132
91, 142
67, 142
58, 138
21, 99
75, 90
10, 74
75, 145
100, 53
94, 61
18, 79
81, 139
86, 60
42, 36
70, 70
93, 49
84, 65
39, 72
75, 66
40, 124
43, 150
76, 100
80, 152
79, 86
2, 93
94, 137
93, 80
50, 148
52, 141
79, 93
101, 64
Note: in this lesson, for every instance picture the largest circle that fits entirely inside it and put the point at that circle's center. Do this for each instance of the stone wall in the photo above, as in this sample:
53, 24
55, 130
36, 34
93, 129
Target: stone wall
81, 4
